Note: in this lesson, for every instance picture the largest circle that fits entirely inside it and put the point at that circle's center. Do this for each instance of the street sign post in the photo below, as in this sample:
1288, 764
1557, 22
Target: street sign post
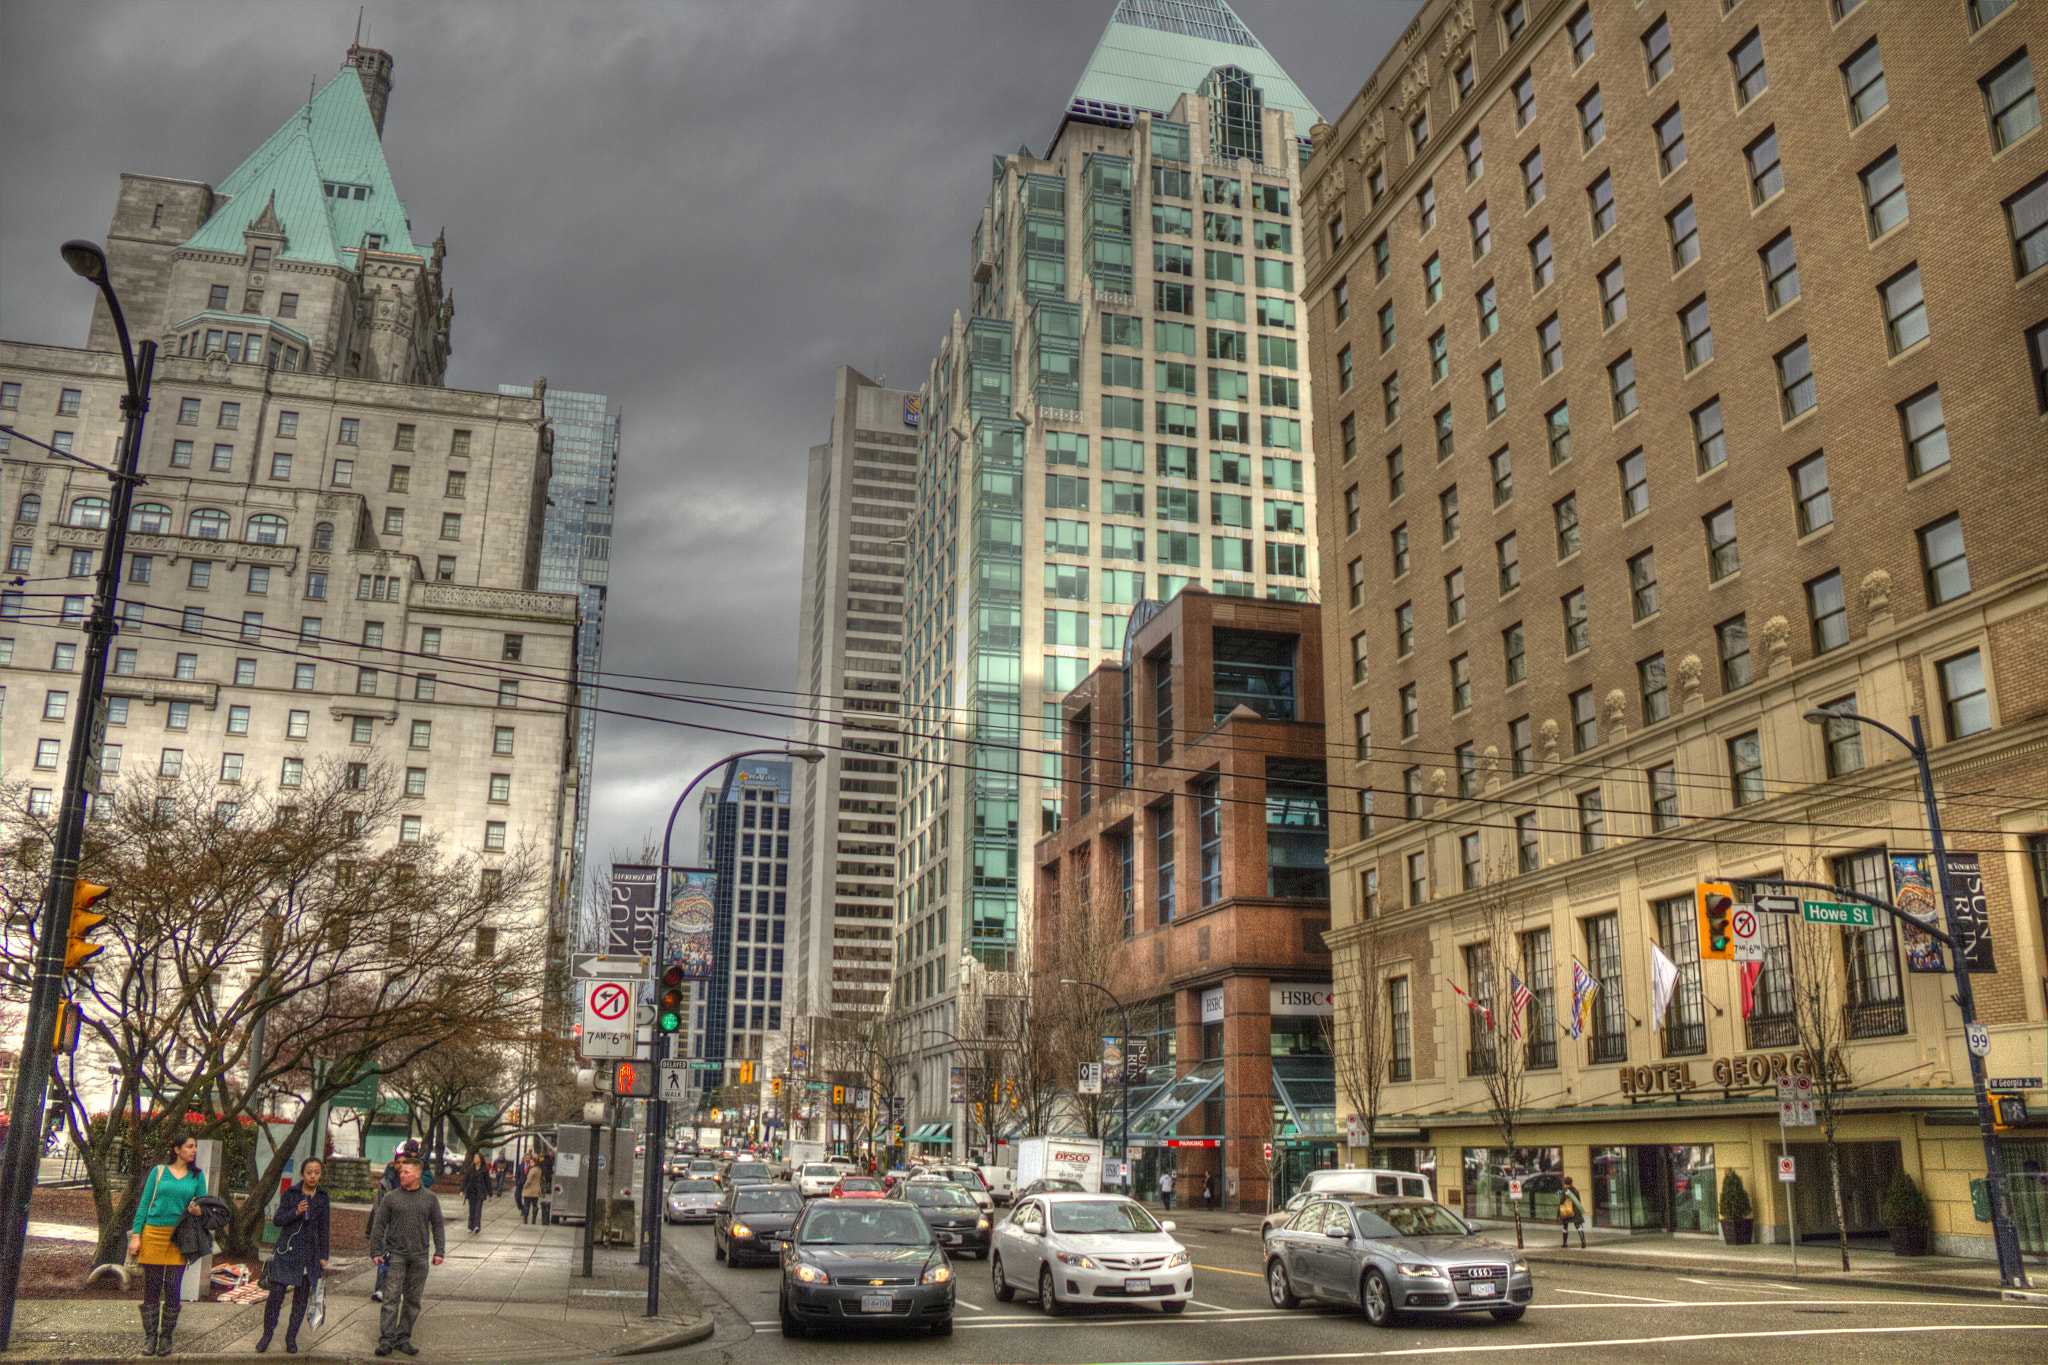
622, 966
1838, 912
1979, 1038
1749, 937
607, 1019
675, 1081
1788, 1169
1091, 1078
1515, 1190
1775, 905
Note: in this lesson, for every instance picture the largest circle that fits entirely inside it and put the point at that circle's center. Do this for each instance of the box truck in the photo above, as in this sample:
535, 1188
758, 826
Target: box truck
1076, 1159
799, 1152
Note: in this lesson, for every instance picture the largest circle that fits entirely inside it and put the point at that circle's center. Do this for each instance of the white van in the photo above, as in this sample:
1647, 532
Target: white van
1406, 1184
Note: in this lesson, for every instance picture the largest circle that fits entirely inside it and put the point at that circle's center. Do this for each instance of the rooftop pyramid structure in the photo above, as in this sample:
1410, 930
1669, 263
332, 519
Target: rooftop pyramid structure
1155, 51
324, 176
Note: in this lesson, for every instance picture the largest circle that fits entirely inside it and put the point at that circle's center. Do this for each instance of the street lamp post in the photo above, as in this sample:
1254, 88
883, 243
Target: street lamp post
2011, 1269
651, 1219
25, 1125
1123, 1081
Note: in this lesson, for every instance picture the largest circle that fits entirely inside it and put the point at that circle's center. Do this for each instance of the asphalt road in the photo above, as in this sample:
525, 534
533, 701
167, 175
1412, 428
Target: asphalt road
1641, 1317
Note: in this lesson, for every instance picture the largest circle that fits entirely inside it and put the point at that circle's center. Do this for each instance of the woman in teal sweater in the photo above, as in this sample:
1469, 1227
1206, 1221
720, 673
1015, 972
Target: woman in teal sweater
169, 1192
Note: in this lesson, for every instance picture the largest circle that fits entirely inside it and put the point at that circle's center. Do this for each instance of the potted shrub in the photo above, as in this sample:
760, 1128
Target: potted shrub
1738, 1223
1905, 1214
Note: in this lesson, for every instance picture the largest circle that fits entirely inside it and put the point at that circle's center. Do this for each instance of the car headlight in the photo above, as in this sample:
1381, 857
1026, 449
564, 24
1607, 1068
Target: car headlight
1423, 1272
1076, 1259
810, 1274
1518, 1267
938, 1274
1178, 1258
983, 1221
742, 1230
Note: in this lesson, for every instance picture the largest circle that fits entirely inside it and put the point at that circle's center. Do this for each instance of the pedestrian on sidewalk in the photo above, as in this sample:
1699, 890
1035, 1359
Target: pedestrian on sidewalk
547, 1186
476, 1188
386, 1183
1570, 1214
174, 1190
405, 1219
1166, 1187
501, 1168
530, 1192
1209, 1190
301, 1219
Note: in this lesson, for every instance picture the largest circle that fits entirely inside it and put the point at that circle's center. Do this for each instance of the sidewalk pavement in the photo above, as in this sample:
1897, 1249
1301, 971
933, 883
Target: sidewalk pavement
1871, 1262
512, 1293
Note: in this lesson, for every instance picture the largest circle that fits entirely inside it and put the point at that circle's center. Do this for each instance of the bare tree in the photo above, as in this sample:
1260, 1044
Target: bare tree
1079, 938
1500, 1064
1358, 1032
1815, 955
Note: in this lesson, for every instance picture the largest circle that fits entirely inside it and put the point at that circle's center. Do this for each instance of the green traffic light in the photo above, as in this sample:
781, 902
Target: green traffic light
670, 1022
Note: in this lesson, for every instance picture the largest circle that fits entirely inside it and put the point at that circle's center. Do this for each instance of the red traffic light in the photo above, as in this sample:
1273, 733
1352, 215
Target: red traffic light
673, 976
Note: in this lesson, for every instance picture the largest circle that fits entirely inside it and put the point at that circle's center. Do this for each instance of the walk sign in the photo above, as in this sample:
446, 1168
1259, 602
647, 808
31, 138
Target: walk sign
675, 1081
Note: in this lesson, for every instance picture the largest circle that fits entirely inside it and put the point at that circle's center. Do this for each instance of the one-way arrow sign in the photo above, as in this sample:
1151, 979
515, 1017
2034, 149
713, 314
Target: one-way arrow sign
615, 966
1776, 905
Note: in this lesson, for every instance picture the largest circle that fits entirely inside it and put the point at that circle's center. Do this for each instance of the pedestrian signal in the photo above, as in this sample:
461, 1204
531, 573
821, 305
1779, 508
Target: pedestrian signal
1717, 910
77, 951
2007, 1111
668, 1015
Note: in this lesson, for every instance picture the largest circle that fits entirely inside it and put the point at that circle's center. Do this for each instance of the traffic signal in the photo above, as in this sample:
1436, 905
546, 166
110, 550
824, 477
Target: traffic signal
2007, 1111
838, 1094
668, 1012
1717, 908
775, 1086
66, 1038
746, 1073
84, 895
977, 1111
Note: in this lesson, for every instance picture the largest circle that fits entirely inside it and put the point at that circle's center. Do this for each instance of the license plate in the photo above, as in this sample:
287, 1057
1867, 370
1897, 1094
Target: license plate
1137, 1286
876, 1303
1483, 1289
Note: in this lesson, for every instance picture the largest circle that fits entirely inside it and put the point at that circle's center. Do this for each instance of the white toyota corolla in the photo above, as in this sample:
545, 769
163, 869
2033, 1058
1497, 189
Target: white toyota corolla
1068, 1249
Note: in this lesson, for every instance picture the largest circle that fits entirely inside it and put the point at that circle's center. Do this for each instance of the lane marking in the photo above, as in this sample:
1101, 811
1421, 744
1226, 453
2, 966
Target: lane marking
1218, 1308
1623, 1341
1226, 1270
959, 1302
1596, 1294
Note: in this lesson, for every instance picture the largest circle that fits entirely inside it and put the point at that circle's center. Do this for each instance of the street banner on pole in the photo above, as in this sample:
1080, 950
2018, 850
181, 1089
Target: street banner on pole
959, 1088
629, 923
691, 893
1913, 891
1968, 916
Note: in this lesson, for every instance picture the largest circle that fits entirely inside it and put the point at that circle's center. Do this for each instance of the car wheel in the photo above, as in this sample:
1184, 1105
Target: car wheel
1377, 1300
943, 1329
1513, 1314
1002, 1288
1048, 1297
1174, 1306
1277, 1286
790, 1326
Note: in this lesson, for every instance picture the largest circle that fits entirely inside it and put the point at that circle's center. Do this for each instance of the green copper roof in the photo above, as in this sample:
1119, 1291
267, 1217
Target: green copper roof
325, 155
1155, 51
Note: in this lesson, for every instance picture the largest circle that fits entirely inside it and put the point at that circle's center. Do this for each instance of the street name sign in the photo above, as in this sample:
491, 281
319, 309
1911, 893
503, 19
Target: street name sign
700, 1064
1995, 1083
1837, 912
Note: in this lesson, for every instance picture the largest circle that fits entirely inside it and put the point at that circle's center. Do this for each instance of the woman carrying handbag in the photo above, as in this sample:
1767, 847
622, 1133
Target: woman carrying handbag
301, 1256
173, 1190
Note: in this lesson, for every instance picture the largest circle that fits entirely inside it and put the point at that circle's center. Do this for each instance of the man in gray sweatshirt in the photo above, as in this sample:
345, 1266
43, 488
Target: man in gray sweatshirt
404, 1218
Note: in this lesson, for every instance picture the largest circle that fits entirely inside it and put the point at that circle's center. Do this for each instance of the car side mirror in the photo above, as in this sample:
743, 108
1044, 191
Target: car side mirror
1166, 1226
1339, 1234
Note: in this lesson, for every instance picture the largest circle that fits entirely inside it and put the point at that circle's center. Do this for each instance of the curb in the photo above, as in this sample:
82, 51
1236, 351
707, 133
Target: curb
1674, 1263
687, 1334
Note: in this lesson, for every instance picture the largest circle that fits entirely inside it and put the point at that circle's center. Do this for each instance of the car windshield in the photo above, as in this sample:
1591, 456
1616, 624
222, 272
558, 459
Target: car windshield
694, 1187
771, 1200
859, 1182
831, 1171
963, 1176
937, 1196
1084, 1216
1057, 1183
1418, 1219
870, 1224
750, 1170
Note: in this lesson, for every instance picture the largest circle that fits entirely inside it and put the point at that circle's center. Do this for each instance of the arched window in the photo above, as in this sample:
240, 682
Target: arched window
208, 523
323, 536
266, 528
31, 508
89, 512
152, 517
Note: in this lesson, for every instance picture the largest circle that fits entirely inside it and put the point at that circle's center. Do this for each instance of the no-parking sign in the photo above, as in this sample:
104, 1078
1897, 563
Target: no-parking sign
607, 1019
1748, 932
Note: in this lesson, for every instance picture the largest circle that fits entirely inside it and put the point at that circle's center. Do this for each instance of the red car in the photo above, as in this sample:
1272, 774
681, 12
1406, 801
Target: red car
858, 1187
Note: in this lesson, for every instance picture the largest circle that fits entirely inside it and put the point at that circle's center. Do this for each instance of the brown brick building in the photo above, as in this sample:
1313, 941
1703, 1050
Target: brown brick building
1190, 881
1684, 364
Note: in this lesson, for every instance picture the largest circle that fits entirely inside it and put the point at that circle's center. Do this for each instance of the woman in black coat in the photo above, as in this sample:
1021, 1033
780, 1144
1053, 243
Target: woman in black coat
476, 1188
301, 1219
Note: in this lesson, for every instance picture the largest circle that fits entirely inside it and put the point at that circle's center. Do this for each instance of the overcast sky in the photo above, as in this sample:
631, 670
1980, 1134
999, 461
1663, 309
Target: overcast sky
698, 209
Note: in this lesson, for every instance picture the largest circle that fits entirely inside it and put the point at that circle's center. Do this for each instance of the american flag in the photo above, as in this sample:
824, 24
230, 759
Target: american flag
1485, 1014
1519, 997
1583, 989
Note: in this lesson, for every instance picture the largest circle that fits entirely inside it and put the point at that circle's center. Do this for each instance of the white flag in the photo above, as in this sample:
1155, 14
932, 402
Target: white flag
1663, 982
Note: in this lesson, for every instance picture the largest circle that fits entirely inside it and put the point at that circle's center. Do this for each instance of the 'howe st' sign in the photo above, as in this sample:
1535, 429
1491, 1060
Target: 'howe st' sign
1837, 912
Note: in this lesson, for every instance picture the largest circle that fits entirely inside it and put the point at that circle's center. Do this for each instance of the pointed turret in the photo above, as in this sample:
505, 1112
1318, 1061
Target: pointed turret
373, 66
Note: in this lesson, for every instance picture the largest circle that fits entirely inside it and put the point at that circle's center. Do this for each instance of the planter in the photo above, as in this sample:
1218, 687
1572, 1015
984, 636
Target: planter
1736, 1232
1909, 1241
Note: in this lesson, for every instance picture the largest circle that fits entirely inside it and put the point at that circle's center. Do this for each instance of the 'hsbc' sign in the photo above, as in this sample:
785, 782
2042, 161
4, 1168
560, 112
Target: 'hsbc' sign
1298, 999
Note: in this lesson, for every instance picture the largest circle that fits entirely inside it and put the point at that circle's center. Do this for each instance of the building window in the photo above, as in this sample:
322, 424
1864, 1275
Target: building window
1344, 370
1532, 179
494, 835
1731, 640
1664, 797
1425, 209
508, 692
1482, 233
1810, 493
1724, 556
1635, 485
2026, 215
1651, 685
1528, 844
1884, 194
1447, 511
1524, 93
1565, 513
1469, 867
1162, 843
1983, 12
1390, 397
1542, 267
1454, 598
1382, 257
1209, 812
1521, 747
1600, 205
1863, 78
1746, 768
1685, 1020
1696, 332
1613, 295
1575, 629
1558, 431
1926, 432
1475, 156
1621, 382
1657, 50
1965, 704
1549, 346
1642, 584
1684, 232
1795, 379
1397, 481
1592, 822
1446, 436
1585, 721
1508, 561
1610, 1012
1843, 738
1418, 879
1514, 653
1358, 664
1827, 612
1874, 1003
1747, 59
1944, 568
1905, 309
1781, 271
2009, 98
1398, 542
1432, 281
501, 740
1410, 712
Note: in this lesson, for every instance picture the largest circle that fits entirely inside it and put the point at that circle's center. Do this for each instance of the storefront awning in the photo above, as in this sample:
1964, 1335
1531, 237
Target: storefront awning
1307, 1086
933, 1132
1172, 1103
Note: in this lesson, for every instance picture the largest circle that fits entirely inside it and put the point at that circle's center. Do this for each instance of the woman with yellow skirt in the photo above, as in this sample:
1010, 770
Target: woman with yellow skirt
171, 1191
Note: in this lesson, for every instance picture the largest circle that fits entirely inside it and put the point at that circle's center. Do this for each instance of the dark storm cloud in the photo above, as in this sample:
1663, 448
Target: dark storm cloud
698, 209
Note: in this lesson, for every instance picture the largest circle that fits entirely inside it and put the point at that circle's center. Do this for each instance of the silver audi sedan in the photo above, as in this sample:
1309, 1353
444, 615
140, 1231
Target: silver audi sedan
1393, 1256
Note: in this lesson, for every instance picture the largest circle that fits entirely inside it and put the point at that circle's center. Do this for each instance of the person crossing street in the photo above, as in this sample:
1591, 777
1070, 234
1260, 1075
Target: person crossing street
405, 1220
1166, 1187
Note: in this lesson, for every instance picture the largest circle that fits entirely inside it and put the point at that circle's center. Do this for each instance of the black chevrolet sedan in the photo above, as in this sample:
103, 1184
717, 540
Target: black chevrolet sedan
864, 1263
951, 1213
753, 1221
